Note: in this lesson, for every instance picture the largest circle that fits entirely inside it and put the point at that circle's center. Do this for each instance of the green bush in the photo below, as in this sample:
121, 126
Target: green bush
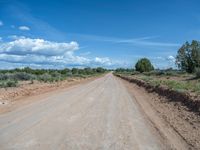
23, 76
45, 78
56, 75
8, 83
4, 76
2, 84
11, 83
16, 76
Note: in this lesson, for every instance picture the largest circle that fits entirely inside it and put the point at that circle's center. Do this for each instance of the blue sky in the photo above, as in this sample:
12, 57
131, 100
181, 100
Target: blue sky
107, 33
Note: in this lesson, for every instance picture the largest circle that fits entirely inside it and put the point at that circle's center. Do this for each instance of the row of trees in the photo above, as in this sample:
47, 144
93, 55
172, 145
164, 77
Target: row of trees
187, 59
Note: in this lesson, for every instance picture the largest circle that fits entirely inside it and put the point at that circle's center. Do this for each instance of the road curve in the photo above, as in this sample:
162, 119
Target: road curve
99, 115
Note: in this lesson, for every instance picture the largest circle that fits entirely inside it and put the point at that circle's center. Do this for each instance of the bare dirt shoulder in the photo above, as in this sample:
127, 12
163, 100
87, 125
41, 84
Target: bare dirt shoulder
179, 127
12, 98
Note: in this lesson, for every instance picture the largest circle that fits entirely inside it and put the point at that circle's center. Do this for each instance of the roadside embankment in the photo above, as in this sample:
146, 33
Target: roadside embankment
174, 112
172, 95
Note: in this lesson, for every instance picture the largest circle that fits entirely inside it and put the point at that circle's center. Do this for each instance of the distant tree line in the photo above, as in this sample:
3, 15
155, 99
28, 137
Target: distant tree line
66, 71
187, 60
10, 78
124, 70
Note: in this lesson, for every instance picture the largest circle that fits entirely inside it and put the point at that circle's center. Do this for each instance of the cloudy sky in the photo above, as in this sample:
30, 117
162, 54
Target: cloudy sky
107, 33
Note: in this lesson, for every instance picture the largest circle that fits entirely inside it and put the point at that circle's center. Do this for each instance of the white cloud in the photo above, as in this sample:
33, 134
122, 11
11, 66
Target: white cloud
171, 58
1, 23
44, 60
24, 28
23, 46
104, 60
25, 51
164, 62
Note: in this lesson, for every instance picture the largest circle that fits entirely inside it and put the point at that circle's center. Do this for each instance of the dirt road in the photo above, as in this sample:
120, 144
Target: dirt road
95, 115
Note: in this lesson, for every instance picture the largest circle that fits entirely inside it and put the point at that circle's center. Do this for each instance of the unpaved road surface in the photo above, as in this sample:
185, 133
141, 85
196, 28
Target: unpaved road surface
99, 115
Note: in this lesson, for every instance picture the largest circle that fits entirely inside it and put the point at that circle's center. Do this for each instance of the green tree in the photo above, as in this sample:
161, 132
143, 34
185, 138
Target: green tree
74, 71
88, 70
144, 65
188, 57
65, 71
100, 70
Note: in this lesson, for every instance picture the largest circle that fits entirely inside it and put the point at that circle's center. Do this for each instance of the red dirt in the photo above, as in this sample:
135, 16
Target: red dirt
10, 98
176, 114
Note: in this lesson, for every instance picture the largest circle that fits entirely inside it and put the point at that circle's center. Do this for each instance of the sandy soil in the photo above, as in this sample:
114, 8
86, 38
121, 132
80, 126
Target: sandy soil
99, 115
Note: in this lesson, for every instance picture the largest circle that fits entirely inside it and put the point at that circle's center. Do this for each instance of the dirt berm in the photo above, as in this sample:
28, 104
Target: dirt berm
178, 111
187, 100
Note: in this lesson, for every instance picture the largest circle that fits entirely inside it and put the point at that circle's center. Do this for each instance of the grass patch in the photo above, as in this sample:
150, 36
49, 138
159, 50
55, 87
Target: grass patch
181, 86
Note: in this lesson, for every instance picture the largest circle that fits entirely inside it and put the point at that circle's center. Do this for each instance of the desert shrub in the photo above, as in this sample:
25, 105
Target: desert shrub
69, 74
16, 76
56, 75
44, 75
45, 78
8, 83
2, 84
22, 76
4, 76
81, 71
159, 73
11, 83
170, 73
197, 72
155, 83
147, 73
135, 73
